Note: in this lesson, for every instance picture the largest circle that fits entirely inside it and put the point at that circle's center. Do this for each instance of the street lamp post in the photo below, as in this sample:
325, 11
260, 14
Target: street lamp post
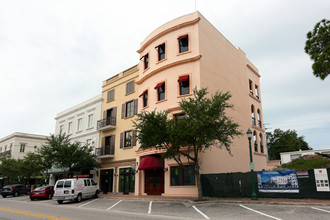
253, 195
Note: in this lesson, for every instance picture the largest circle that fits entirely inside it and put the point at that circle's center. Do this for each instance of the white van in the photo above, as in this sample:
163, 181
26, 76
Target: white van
75, 189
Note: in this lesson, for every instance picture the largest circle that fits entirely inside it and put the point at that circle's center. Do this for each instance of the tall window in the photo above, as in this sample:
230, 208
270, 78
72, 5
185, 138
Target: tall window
160, 87
22, 148
255, 141
252, 115
256, 90
61, 128
111, 95
146, 61
261, 145
130, 87
183, 176
70, 128
128, 139
79, 128
90, 120
126, 180
184, 85
144, 96
183, 43
250, 87
161, 51
129, 109
259, 120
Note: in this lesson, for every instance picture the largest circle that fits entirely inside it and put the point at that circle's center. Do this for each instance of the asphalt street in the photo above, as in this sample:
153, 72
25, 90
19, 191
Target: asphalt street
104, 208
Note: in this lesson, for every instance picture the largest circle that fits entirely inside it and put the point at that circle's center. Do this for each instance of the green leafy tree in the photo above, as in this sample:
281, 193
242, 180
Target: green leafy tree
285, 141
205, 125
60, 152
318, 48
32, 166
10, 169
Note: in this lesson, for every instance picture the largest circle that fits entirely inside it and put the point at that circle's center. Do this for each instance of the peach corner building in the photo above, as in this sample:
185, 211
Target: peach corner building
185, 53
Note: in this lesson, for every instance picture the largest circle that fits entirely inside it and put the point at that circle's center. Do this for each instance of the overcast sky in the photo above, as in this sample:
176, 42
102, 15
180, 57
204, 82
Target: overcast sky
55, 54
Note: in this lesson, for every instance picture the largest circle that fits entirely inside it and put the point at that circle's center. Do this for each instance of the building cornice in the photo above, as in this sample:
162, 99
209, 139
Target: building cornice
24, 135
169, 30
253, 70
188, 60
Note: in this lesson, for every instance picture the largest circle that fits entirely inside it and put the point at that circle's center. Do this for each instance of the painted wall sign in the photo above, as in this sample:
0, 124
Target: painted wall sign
282, 181
321, 180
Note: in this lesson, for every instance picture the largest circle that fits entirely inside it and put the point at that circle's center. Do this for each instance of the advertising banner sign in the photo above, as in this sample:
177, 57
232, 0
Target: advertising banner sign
282, 181
321, 180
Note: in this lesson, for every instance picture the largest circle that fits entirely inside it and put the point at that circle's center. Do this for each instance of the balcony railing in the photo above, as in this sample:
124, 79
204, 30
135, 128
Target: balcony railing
106, 151
106, 124
6, 153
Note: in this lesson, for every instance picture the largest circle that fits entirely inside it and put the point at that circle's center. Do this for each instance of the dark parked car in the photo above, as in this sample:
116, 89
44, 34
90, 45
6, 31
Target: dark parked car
14, 190
42, 192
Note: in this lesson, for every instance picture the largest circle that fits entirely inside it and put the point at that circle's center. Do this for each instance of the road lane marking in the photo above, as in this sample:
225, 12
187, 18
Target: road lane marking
200, 212
323, 210
87, 203
261, 213
33, 214
114, 205
149, 210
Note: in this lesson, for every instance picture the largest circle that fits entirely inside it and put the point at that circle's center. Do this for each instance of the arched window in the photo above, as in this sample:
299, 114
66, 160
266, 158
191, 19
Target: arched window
255, 141
259, 119
252, 115
261, 145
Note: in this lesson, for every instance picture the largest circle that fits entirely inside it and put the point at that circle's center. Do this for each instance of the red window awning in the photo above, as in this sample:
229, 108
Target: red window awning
151, 162
143, 93
183, 36
159, 85
183, 78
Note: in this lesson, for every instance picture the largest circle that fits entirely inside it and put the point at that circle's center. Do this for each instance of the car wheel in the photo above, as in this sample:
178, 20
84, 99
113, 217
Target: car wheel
59, 201
96, 194
78, 199
4, 196
16, 194
50, 196
32, 199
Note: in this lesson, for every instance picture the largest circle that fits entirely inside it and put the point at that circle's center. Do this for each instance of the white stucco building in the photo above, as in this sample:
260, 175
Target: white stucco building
80, 122
17, 145
287, 157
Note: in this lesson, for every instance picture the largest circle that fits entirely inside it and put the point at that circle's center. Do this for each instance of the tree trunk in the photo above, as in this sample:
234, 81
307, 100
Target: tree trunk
199, 185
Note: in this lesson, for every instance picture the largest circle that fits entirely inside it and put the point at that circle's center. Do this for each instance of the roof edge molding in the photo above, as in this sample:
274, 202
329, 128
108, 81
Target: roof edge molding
169, 30
188, 60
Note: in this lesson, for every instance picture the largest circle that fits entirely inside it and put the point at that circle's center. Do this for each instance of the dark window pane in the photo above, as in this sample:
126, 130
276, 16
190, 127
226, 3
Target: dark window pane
129, 109
183, 44
161, 52
146, 61
184, 87
145, 99
176, 176
189, 175
161, 92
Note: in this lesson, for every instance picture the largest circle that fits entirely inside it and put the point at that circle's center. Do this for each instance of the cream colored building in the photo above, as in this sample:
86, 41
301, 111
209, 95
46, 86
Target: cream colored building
180, 55
18, 144
116, 153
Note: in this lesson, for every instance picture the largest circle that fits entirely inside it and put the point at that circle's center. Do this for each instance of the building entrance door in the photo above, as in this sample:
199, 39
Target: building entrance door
106, 180
154, 181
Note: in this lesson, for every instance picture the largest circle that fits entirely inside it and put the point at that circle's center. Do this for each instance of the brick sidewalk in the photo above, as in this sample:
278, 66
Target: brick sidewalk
279, 201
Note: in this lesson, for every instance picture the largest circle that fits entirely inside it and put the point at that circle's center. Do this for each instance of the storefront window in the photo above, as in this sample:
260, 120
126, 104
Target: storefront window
183, 176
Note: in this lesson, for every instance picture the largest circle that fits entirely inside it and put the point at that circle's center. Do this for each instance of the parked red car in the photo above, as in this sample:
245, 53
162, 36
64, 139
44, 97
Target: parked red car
43, 192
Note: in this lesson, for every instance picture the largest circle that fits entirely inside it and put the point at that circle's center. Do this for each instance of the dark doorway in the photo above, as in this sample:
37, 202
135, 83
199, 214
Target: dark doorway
126, 180
154, 181
106, 180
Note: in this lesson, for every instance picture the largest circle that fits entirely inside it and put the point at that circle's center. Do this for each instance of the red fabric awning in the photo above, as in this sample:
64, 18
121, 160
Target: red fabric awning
143, 93
151, 162
159, 85
183, 78
183, 36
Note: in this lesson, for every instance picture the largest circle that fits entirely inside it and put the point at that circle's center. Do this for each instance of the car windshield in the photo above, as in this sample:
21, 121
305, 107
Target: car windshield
40, 188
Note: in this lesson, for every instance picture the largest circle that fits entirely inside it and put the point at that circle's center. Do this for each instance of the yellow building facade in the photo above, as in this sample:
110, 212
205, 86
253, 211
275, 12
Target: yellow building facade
116, 153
